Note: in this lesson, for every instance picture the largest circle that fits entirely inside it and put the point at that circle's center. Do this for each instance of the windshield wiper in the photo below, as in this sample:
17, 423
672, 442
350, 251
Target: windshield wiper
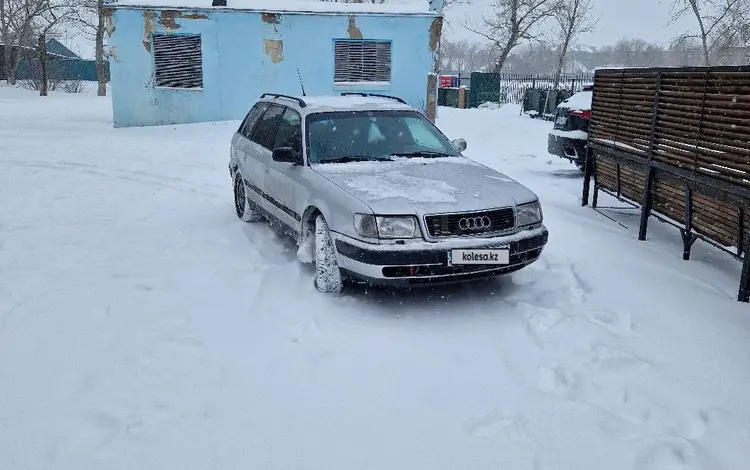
355, 158
423, 154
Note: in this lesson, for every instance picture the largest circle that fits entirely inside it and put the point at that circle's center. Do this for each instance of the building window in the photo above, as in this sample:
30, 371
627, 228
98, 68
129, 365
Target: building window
363, 63
178, 62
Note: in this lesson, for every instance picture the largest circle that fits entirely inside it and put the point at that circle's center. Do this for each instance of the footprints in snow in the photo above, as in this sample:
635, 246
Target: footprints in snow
642, 415
561, 287
583, 361
599, 374
618, 324
494, 424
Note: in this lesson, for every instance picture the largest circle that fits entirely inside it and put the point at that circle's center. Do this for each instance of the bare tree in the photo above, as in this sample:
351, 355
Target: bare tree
91, 20
573, 17
460, 56
684, 52
720, 23
448, 4
21, 22
514, 21
44, 26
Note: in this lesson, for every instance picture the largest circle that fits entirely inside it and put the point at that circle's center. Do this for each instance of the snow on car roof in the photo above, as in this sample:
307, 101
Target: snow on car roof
580, 100
299, 6
323, 103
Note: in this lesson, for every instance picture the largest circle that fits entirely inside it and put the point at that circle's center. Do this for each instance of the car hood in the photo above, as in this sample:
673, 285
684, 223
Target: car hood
426, 185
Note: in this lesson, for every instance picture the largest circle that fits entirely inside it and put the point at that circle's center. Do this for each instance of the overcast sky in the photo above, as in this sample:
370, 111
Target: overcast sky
645, 19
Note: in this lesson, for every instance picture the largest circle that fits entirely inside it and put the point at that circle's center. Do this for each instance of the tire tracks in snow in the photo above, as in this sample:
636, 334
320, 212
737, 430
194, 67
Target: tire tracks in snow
153, 179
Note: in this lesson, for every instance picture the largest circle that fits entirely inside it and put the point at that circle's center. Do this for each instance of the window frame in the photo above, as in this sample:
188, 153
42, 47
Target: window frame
265, 105
301, 132
360, 85
153, 62
275, 130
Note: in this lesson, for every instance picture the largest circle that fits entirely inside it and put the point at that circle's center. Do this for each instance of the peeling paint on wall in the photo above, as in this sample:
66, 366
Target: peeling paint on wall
109, 25
194, 16
274, 50
113, 54
353, 31
148, 28
436, 28
431, 111
270, 18
167, 19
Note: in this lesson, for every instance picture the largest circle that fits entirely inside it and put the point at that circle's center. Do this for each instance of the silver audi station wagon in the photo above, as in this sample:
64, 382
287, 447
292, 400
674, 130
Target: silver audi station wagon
373, 192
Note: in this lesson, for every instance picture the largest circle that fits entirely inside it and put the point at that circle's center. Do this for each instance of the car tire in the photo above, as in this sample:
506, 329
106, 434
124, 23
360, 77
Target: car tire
327, 273
246, 211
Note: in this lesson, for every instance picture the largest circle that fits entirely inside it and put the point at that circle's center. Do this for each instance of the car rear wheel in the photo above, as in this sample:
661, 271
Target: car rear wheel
247, 211
327, 274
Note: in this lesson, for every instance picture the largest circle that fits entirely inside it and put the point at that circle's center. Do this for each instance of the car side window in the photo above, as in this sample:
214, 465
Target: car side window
252, 117
290, 131
264, 133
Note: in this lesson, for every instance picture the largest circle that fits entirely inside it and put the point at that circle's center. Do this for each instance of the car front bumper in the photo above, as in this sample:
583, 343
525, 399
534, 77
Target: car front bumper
565, 147
426, 263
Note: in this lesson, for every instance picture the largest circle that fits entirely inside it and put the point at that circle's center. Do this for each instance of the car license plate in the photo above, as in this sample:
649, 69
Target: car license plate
499, 256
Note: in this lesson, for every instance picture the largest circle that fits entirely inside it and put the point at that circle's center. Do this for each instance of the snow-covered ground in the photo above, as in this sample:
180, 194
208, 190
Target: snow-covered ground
142, 326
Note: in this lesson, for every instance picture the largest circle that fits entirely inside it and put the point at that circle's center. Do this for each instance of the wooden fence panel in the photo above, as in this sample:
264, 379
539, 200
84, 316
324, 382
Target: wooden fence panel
676, 142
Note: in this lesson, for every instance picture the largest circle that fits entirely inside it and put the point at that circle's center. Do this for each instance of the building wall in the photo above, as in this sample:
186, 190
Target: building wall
248, 53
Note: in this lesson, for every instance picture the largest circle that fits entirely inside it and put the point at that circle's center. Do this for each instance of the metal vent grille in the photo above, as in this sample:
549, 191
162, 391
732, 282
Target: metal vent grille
358, 61
178, 62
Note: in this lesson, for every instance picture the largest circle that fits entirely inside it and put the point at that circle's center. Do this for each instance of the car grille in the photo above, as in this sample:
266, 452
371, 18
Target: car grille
468, 224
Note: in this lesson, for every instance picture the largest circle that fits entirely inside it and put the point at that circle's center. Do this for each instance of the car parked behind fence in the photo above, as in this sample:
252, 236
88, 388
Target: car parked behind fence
570, 130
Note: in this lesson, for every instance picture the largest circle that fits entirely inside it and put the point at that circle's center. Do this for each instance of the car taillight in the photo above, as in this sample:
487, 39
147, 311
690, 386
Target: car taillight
581, 114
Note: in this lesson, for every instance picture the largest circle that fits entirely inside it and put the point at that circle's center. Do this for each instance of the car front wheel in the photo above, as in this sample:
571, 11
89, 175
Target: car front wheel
327, 273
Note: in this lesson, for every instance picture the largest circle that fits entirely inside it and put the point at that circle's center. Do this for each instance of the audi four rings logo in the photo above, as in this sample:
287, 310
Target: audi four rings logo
474, 223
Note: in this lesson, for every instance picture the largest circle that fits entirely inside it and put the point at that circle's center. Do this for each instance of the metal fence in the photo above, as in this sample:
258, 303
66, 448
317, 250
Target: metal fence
510, 88
59, 69
675, 142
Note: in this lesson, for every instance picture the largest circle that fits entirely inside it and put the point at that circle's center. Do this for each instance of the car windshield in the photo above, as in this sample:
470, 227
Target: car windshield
373, 135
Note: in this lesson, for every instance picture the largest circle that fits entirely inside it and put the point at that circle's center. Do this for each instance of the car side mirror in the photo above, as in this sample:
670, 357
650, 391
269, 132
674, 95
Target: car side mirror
459, 144
285, 155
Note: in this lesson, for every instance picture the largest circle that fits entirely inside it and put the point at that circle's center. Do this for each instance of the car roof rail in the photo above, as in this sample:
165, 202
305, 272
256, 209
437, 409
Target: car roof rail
377, 95
299, 100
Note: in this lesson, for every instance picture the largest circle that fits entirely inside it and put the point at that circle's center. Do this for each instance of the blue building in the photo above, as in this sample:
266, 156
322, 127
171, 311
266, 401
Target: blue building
180, 63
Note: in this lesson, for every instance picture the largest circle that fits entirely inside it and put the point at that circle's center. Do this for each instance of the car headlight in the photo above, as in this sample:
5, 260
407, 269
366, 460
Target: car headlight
528, 214
381, 226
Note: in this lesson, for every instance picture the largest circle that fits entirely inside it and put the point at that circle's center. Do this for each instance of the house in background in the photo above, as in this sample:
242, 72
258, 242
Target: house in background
176, 62
62, 64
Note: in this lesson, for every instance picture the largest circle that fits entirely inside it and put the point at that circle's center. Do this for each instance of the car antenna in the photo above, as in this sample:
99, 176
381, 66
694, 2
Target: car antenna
300, 82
